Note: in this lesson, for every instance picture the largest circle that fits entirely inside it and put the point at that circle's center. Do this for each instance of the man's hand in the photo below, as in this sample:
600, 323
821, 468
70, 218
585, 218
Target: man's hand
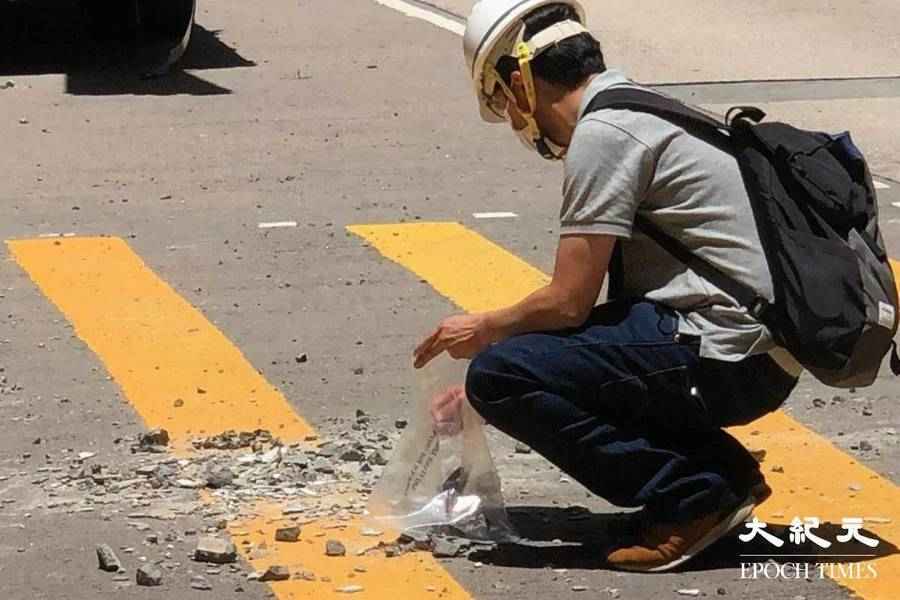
462, 336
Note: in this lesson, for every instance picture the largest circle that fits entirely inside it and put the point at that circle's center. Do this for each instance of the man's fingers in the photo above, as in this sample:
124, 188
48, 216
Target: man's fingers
423, 349
428, 341
427, 354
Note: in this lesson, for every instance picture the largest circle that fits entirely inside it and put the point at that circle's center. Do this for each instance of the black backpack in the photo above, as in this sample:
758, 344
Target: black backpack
835, 304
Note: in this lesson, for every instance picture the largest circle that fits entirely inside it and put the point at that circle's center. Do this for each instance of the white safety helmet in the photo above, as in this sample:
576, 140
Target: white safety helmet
496, 29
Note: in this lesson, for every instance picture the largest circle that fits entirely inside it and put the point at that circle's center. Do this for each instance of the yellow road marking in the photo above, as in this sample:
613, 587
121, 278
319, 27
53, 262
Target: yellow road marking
478, 275
156, 346
159, 349
460, 264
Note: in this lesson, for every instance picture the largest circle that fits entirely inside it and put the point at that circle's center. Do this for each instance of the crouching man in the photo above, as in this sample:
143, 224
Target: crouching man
629, 397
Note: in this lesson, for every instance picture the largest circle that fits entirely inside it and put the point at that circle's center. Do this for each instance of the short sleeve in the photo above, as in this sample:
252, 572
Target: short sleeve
607, 174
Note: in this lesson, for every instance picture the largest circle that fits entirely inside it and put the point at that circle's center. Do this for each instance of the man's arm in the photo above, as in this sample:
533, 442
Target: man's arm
582, 262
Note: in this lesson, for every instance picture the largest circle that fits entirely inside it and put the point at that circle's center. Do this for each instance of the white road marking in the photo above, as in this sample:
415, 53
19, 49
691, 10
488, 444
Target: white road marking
495, 215
278, 224
411, 10
881, 186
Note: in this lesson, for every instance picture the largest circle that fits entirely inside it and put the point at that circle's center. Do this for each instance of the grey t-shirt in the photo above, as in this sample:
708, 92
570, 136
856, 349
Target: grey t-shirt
620, 162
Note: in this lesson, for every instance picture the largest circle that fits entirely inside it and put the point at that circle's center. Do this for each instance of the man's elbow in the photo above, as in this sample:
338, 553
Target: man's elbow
574, 314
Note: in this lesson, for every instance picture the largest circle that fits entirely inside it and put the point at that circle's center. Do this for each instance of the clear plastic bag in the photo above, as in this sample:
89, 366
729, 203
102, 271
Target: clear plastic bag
441, 475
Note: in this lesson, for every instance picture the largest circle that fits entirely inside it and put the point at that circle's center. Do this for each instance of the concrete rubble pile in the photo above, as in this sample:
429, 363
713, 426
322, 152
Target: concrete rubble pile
322, 478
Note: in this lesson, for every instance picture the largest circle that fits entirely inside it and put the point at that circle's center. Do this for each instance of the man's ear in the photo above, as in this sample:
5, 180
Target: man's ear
517, 86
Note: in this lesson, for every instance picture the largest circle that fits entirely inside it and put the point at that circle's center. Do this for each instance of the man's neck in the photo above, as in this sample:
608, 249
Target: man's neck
568, 108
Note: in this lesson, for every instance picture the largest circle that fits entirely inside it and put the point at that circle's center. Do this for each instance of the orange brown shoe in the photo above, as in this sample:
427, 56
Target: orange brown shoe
662, 547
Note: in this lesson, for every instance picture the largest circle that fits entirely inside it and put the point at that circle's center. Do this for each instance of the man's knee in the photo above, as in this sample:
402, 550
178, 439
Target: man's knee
488, 380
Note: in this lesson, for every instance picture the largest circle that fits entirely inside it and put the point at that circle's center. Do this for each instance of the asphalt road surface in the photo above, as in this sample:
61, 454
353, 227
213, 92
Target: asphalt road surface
140, 290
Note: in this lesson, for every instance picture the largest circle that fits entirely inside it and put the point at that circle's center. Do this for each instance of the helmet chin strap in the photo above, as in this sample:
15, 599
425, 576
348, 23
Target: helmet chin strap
525, 53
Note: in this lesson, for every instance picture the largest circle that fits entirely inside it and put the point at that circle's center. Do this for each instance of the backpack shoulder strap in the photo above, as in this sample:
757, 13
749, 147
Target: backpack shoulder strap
743, 293
670, 109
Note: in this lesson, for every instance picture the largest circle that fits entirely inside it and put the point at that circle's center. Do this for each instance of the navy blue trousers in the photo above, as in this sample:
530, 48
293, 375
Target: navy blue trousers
627, 407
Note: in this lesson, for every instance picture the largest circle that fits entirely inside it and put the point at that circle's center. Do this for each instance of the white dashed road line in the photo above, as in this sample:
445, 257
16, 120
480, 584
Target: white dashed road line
495, 215
275, 224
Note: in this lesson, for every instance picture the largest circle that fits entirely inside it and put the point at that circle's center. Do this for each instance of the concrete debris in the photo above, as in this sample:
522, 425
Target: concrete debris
215, 550
108, 559
154, 437
149, 575
522, 448
352, 455
349, 589
232, 440
198, 582
287, 534
276, 573
445, 547
368, 532
335, 548
218, 475
148, 488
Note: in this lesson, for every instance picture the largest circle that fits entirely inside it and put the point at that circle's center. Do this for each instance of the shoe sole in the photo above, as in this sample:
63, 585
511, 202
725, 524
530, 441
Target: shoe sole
735, 518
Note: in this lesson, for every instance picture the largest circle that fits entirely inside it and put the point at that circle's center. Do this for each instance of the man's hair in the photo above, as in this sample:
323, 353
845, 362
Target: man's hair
566, 64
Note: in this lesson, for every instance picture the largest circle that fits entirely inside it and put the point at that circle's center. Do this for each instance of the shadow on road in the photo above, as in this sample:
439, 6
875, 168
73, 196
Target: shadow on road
37, 37
578, 539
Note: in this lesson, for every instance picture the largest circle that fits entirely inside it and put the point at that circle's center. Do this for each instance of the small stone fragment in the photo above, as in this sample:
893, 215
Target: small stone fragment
293, 509
579, 588
148, 575
198, 582
219, 476
276, 573
367, 532
287, 534
721, 591
855, 487
401, 423
349, 589
155, 437
335, 548
443, 547
301, 358
108, 559
352, 455
778, 469
865, 446
215, 550
522, 448
377, 459
688, 592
